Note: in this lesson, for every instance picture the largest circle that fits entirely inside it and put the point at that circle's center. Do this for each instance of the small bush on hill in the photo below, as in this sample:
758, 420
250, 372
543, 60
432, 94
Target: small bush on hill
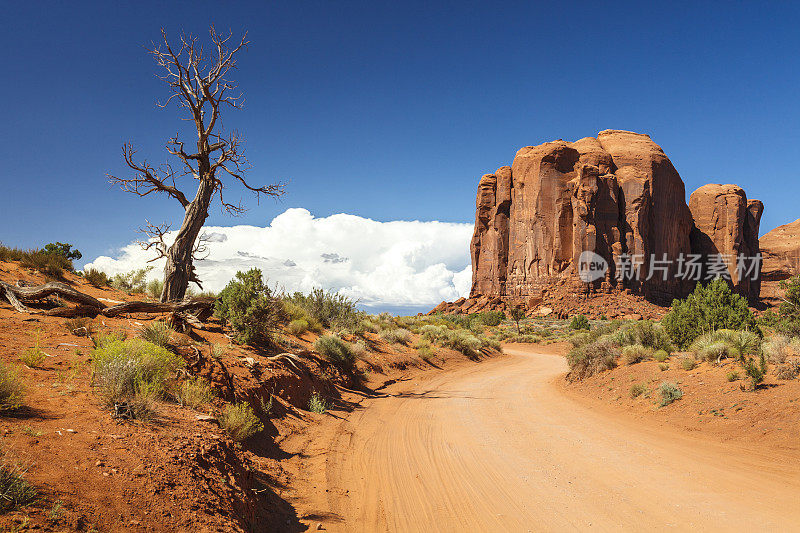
579, 322
525, 339
15, 491
52, 265
240, 421
62, 249
645, 333
732, 375
12, 393
97, 278
317, 404
397, 335
755, 370
776, 349
34, 356
330, 309
359, 349
724, 344
637, 390
134, 281
248, 306
424, 349
669, 393
335, 350
155, 287
195, 392
488, 318
434, 333
133, 372
635, 353
463, 341
297, 327
788, 371
585, 361
80, 327
584, 337
157, 332
660, 356
709, 308
687, 363
663, 366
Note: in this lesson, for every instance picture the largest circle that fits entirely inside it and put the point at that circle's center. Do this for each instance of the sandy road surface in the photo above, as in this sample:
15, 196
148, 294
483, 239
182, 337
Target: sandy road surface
500, 447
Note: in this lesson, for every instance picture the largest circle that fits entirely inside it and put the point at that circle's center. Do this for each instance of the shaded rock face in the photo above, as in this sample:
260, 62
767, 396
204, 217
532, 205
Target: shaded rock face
726, 224
617, 195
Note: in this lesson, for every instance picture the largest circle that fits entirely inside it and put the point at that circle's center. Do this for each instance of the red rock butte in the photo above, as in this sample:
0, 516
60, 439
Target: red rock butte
616, 194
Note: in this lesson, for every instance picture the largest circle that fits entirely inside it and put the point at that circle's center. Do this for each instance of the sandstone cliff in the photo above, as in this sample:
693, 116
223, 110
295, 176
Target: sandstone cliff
780, 249
617, 195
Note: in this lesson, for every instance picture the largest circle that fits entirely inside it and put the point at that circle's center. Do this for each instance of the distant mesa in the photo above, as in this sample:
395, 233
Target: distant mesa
617, 195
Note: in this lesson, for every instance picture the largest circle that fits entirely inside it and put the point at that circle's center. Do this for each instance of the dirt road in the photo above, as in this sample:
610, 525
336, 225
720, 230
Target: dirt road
500, 447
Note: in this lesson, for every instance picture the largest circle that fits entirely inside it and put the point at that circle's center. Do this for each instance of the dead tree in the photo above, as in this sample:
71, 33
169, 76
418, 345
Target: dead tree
199, 83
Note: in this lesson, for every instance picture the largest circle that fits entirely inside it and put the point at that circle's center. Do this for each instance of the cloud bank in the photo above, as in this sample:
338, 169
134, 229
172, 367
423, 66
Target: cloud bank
381, 264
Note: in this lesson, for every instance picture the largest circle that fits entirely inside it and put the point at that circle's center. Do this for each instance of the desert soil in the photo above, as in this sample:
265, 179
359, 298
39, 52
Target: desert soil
505, 445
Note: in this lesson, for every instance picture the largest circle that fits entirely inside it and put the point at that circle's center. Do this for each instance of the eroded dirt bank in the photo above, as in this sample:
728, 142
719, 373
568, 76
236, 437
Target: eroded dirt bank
499, 446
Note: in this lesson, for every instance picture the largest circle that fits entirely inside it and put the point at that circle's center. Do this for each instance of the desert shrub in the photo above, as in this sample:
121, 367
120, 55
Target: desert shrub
732, 375
660, 356
463, 341
248, 306
133, 372
359, 349
476, 328
330, 309
368, 326
98, 278
33, 356
317, 404
645, 333
525, 339
156, 332
63, 249
663, 366
397, 335
155, 287
635, 353
297, 327
49, 264
15, 491
755, 370
724, 344
585, 361
80, 327
579, 322
239, 421
787, 371
107, 337
637, 390
195, 392
503, 334
134, 281
291, 311
12, 392
424, 349
584, 337
434, 333
490, 342
335, 350
669, 393
709, 308
488, 318
776, 348
687, 363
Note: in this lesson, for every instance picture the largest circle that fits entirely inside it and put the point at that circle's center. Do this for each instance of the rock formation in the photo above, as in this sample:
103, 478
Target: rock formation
616, 195
726, 226
780, 251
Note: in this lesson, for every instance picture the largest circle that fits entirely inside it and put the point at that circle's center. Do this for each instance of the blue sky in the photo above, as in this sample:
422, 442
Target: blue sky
391, 111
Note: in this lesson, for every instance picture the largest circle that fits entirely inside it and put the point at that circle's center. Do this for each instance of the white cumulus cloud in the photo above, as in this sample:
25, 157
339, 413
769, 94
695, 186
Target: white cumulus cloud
381, 264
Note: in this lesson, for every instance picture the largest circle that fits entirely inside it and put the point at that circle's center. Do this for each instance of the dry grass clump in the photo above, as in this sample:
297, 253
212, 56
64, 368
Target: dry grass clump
317, 404
687, 363
396, 336
587, 360
97, 278
637, 390
789, 370
12, 392
240, 421
156, 332
195, 392
15, 491
359, 349
80, 327
297, 327
335, 350
635, 353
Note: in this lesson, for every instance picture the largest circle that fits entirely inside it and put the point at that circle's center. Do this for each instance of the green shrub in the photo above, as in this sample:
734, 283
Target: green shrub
732, 375
12, 393
660, 356
157, 332
330, 309
755, 370
424, 350
397, 335
240, 421
723, 344
463, 341
526, 339
490, 342
583, 338
635, 353
63, 249
585, 361
488, 318
687, 363
708, 308
645, 333
15, 491
155, 288
669, 393
34, 356
637, 390
195, 392
134, 281
579, 322
317, 404
52, 265
434, 333
97, 278
297, 327
247, 304
133, 372
335, 350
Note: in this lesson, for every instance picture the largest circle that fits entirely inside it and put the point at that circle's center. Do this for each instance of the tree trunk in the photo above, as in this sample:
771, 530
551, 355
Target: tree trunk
179, 270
